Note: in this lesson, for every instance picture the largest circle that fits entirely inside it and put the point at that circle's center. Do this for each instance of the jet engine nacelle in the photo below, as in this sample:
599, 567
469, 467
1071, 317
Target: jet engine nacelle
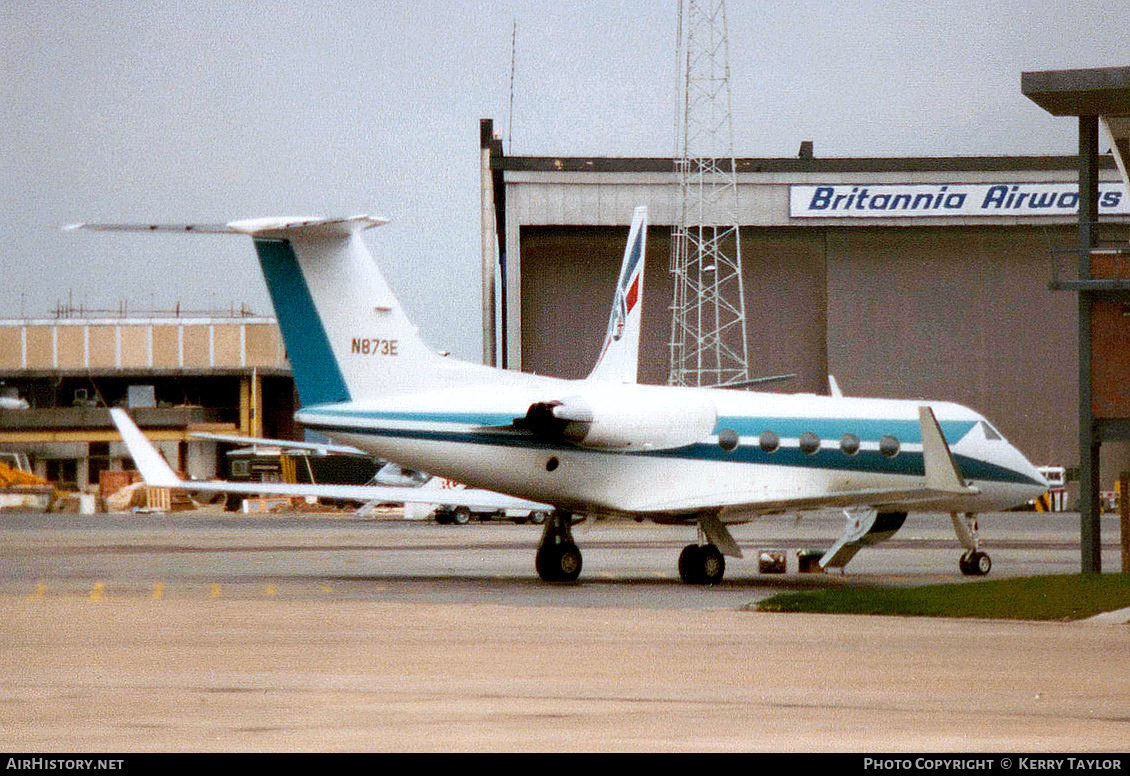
627, 420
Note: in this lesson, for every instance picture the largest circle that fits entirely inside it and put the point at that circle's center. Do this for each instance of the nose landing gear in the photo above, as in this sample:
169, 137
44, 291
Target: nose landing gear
974, 563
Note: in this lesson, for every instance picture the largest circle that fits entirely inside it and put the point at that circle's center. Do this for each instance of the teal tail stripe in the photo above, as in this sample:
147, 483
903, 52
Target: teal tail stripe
316, 371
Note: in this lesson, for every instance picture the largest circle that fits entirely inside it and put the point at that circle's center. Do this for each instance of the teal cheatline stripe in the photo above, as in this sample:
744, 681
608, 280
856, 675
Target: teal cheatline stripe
868, 429
316, 372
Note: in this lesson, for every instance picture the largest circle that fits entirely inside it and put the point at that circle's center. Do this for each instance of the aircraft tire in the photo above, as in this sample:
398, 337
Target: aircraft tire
559, 562
461, 516
701, 565
690, 565
713, 565
975, 564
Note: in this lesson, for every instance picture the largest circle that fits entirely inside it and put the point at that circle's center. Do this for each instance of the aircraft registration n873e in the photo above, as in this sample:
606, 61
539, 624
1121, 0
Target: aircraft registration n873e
604, 445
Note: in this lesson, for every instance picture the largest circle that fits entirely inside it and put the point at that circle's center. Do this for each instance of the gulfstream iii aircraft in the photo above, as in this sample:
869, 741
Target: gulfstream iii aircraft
603, 445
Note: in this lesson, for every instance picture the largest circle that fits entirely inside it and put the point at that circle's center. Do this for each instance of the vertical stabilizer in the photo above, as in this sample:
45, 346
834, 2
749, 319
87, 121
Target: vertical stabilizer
346, 334
619, 355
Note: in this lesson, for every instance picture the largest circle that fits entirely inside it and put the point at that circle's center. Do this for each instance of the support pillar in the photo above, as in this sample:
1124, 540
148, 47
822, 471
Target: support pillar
1124, 518
1090, 507
488, 238
250, 405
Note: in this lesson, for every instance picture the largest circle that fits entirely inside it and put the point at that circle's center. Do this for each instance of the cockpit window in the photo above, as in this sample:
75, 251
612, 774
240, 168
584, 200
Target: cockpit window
990, 432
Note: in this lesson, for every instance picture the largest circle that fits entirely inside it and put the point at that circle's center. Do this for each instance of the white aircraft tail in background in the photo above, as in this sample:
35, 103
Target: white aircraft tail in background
605, 445
619, 355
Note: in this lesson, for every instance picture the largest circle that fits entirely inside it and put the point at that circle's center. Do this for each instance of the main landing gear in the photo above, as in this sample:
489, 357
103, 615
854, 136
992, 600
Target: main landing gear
558, 558
974, 563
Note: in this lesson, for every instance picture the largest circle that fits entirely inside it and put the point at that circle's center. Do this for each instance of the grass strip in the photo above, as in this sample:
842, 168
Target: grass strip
1056, 597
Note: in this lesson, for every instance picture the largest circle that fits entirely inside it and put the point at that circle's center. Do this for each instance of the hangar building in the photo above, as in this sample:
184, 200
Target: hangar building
902, 277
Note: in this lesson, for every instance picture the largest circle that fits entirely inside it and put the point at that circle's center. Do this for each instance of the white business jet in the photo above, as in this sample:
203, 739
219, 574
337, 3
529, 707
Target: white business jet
603, 445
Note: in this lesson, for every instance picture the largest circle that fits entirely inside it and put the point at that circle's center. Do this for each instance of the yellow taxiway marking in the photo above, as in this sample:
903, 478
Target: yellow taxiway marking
158, 591
40, 589
271, 589
215, 593
98, 591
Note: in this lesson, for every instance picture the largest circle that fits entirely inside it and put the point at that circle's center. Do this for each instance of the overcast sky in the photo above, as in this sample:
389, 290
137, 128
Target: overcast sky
213, 111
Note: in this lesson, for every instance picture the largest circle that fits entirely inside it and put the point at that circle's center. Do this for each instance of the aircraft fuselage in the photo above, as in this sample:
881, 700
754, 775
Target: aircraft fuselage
763, 448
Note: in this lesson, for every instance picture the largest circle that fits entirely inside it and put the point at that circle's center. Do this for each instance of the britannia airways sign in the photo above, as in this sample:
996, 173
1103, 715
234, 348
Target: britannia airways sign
942, 200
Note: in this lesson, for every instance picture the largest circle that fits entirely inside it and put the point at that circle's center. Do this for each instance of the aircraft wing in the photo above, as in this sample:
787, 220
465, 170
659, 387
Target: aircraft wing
156, 472
881, 499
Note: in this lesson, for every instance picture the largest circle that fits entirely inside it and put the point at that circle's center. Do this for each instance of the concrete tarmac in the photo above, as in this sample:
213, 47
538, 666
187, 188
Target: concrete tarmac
124, 634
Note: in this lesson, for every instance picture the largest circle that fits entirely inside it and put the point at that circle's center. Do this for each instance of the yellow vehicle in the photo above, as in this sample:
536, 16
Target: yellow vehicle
20, 488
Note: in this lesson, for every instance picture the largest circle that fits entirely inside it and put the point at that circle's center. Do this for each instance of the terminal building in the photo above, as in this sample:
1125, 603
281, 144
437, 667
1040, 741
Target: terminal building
902, 277
180, 373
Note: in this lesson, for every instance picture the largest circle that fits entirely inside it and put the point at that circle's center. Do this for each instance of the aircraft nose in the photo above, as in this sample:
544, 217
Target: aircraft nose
1039, 484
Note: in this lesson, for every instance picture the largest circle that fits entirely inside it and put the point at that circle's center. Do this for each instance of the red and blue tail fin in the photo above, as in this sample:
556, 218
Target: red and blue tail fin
619, 355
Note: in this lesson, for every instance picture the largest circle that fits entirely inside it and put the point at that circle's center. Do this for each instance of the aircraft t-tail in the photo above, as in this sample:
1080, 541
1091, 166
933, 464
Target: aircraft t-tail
603, 445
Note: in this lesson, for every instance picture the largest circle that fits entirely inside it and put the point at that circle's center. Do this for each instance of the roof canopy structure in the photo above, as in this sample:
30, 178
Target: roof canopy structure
1099, 96
1103, 91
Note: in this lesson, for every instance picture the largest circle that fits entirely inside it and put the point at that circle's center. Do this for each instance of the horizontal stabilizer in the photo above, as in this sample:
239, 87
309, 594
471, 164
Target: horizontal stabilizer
255, 227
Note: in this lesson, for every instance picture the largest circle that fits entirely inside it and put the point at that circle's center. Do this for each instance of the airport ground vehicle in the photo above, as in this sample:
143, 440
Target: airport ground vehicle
462, 515
1055, 500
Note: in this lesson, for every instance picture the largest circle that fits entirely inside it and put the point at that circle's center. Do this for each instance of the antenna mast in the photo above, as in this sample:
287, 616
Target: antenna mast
513, 59
708, 333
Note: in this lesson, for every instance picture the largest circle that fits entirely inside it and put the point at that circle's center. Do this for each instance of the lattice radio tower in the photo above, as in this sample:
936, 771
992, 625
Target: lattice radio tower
708, 332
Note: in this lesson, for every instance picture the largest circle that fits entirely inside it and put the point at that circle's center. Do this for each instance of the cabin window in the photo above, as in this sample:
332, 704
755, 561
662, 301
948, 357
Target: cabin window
889, 446
809, 443
728, 439
849, 444
769, 441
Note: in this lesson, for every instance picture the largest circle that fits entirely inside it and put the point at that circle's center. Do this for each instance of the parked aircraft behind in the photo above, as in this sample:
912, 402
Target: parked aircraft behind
605, 445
